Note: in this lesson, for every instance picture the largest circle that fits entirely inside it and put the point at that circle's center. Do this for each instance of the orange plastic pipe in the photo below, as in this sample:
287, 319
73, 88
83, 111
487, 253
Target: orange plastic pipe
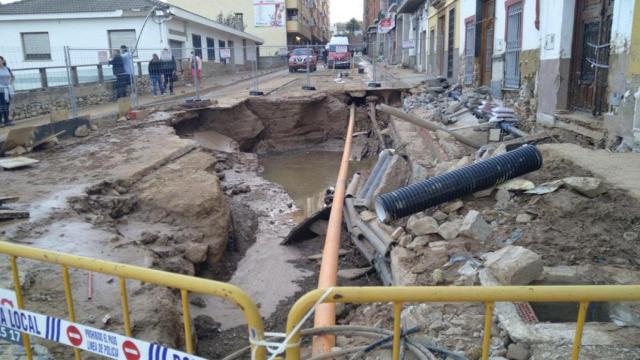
326, 313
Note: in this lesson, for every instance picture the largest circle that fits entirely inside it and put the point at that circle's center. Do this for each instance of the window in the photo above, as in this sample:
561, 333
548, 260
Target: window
589, 53
514, 45
118, 38
469, 50
36, 46
292, 14
222, 45
197, 44
211, 51
451, 42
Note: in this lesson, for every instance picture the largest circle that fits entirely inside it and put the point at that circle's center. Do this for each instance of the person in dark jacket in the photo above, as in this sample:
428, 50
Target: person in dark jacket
122, 78
155, 73
168, 65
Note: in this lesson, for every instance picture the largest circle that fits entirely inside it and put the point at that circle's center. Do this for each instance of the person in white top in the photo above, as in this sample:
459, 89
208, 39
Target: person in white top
6, 92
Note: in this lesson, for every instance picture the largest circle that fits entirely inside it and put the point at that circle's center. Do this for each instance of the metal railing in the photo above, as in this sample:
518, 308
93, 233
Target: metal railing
125, 272
483, 294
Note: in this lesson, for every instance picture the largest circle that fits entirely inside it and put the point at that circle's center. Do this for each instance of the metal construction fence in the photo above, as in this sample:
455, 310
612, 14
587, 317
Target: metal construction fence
69, 81
31, 324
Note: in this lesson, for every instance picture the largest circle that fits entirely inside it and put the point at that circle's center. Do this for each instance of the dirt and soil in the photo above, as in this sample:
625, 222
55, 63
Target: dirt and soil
119, 195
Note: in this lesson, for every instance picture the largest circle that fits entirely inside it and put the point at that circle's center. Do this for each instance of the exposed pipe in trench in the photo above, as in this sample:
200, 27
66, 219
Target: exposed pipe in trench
430, 125
326, 313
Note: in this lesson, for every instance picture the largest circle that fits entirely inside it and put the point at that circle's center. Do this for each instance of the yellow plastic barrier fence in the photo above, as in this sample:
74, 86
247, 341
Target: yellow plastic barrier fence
124, 272
487, 295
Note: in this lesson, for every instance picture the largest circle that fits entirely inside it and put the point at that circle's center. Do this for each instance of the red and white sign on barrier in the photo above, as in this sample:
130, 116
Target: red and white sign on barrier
104, 343
8, 298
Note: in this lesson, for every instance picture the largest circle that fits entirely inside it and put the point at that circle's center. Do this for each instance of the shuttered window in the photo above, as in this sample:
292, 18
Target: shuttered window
36, 46
211, 50
451, 42
514, 46
118, 38
469, 51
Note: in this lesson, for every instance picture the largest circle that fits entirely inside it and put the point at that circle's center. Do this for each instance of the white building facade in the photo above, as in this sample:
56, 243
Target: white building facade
35, 39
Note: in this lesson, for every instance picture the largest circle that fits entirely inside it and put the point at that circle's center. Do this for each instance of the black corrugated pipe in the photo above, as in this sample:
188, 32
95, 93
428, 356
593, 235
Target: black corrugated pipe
455, 184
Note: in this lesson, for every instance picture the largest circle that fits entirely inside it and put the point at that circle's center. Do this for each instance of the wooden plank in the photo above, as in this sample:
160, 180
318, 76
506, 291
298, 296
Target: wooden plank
13, 214
17, 162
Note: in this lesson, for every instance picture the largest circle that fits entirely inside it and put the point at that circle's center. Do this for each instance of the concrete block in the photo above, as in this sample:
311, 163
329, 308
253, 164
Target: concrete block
475, 227
514, 265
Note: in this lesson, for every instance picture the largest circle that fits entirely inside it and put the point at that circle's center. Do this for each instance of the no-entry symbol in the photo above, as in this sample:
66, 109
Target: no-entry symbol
74, 335
130, 350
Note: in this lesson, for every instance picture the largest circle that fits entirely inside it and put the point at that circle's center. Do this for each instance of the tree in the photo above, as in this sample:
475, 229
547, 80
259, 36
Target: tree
353, 25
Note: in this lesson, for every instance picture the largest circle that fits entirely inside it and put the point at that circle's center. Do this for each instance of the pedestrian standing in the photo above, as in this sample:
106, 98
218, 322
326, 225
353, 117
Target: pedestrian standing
196, 66
117, 66
155, 73
127, 61
168, 65
6, 92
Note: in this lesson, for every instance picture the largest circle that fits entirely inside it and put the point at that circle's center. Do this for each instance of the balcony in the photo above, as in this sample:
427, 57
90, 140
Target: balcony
409, 6
294, 26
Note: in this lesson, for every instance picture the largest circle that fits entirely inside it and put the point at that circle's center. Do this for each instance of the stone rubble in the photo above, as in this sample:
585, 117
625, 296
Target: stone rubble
514, 265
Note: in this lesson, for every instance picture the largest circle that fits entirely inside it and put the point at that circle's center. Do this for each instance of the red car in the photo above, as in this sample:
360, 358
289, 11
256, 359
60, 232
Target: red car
299, 58
339, 57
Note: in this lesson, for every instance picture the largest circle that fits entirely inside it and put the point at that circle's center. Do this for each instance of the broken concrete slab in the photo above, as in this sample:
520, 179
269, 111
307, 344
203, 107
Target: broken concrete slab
419, 242
352, 274
196, 253
424, 226
440, 216
17, 162
81, 131
448, 230
453, 206
524, 218
517, 185
587, 186
16, 151
514, 265
518, 351
475, 227
502, 197
546, 188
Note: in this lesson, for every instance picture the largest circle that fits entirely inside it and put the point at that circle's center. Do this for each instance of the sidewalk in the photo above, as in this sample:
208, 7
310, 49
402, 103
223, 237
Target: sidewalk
181, 93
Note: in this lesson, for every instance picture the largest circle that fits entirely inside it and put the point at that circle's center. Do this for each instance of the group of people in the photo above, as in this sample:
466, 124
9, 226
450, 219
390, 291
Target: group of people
162, 71
6, 92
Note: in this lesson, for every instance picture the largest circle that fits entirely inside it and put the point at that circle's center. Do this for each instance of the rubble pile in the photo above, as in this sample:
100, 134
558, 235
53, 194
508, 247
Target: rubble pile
512, 233
443, 105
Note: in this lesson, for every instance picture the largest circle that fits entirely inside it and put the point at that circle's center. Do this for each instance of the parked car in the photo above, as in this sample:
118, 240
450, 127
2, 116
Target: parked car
299, 57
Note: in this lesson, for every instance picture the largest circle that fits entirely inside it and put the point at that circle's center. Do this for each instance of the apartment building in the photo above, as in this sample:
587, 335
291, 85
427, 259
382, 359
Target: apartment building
280, 23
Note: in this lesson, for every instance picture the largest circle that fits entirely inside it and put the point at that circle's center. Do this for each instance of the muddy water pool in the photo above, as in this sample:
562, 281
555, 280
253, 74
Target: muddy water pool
305, 175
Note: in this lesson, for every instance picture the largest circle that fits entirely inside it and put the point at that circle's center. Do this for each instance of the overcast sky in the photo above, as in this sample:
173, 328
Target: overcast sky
344, 10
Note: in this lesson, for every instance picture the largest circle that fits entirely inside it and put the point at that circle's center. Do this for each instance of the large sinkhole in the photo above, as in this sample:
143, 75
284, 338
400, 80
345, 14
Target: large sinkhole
288, 152
298, 141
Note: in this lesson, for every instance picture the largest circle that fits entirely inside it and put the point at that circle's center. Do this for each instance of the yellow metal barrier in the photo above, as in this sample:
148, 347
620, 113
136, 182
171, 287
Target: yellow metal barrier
124, 272
487, 295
